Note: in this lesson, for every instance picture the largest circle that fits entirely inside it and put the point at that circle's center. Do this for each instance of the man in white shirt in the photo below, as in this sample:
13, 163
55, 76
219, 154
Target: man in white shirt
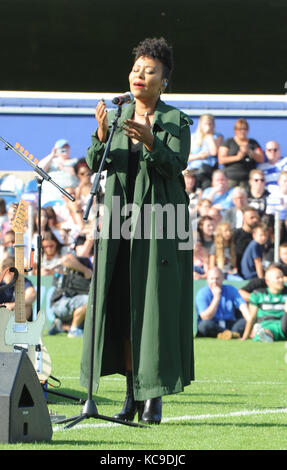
274, 164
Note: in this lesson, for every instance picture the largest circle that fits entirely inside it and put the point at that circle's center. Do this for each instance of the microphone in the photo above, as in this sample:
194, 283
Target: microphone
122, 99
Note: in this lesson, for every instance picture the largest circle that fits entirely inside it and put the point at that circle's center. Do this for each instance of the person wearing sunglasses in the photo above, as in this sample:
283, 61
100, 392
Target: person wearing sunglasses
257, 193
239, 155
274, 163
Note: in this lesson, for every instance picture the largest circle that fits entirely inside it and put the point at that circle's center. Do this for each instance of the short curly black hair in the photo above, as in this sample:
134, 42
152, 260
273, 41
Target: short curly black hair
157, 48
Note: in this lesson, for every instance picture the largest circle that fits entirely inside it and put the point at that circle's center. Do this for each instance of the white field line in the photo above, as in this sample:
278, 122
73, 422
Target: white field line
119, 379
187, 418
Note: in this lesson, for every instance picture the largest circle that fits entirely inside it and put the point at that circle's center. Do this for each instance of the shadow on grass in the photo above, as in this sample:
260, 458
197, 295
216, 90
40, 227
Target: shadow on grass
57, 395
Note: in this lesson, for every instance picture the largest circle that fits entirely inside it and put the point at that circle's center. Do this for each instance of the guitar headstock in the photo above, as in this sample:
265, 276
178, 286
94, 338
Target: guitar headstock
18, 223
27, 154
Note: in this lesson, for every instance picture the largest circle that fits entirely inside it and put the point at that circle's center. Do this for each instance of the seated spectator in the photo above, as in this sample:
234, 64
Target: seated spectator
215, 214
7, 297
277, 200
234, 216
60, 167
239, 155
283, 259
216, 306
8, 243
258, 283
70, 214
200, 261
204, 145
193, 192
219, 192
12, 209
70, 298
251, 261
84, 244
273, 165
52, 252
3, 212
242, 236
222, 254
267, 308
203, 207
257, 193
206, 228
83, 190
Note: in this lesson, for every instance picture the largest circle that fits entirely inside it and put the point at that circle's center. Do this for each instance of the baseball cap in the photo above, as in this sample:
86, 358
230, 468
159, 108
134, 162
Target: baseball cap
61, 143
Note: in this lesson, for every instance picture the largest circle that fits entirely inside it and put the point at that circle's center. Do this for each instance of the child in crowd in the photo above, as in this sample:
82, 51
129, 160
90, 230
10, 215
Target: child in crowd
200, 261
222, 252
251, 262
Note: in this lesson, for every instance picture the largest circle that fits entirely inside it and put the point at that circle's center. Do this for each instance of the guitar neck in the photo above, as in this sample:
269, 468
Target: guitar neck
20, 312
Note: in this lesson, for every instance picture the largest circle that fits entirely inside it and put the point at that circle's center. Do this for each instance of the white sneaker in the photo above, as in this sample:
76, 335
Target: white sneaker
75, 332
261, 334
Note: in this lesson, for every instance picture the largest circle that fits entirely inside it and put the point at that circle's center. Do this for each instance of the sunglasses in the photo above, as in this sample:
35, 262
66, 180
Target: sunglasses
241, 129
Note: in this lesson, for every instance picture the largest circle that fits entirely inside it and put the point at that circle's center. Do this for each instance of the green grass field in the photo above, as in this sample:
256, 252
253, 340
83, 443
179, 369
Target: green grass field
237, 402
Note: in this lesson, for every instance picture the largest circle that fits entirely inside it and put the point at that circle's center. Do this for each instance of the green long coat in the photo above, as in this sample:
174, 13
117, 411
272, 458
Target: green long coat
161, 282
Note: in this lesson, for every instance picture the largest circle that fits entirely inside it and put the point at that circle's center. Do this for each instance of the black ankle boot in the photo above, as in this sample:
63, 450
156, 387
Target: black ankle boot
152, 411
131, 406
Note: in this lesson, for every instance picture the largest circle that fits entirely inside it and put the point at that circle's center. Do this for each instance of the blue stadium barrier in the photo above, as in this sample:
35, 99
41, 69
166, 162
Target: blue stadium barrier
37, 120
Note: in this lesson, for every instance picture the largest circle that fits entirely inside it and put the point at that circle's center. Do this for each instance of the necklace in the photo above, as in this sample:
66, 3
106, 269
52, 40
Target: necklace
145, 114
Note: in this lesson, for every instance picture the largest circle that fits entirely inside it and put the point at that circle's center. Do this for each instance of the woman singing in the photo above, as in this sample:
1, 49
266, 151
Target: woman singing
144, 308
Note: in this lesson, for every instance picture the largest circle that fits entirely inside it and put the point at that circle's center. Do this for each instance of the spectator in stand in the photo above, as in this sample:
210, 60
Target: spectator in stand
83, 190
70, 298
70, 214
234, 216
283, 259
268, 306
7, 245
204, 145
200, 261
7, 297
257, 193
258, 283
215, 214
251, 261
12, 209
52, 252
60, 167
219, 192
242, 236
203, 207
277, 200
222, 252
206, 229
192, 190
239, 155
216, 304
3, 212
273, 165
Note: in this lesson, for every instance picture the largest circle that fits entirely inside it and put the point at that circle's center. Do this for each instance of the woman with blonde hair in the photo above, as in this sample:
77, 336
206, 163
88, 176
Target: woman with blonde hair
204, 145
222, 252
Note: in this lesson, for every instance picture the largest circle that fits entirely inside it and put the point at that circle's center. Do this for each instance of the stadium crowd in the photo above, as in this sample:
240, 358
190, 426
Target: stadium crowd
236, 189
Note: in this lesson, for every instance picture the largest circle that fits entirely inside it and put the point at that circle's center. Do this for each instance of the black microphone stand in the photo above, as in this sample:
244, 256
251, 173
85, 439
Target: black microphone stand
89, 409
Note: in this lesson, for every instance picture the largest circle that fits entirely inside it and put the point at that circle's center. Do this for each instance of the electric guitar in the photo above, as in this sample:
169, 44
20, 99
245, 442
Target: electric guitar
16, 333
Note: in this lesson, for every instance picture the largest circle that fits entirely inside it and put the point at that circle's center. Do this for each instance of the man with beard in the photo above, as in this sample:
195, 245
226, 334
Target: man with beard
243, 235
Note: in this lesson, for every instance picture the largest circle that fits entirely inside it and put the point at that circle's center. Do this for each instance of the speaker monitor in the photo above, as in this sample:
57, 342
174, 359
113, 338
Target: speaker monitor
24, 415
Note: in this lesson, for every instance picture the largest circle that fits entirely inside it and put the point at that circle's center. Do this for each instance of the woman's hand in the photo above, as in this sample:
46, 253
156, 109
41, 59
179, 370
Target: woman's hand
140, 132
102, 120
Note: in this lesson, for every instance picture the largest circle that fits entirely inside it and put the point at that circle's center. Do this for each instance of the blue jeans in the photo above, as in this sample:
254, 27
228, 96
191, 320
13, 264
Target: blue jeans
65, 306
210, 329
